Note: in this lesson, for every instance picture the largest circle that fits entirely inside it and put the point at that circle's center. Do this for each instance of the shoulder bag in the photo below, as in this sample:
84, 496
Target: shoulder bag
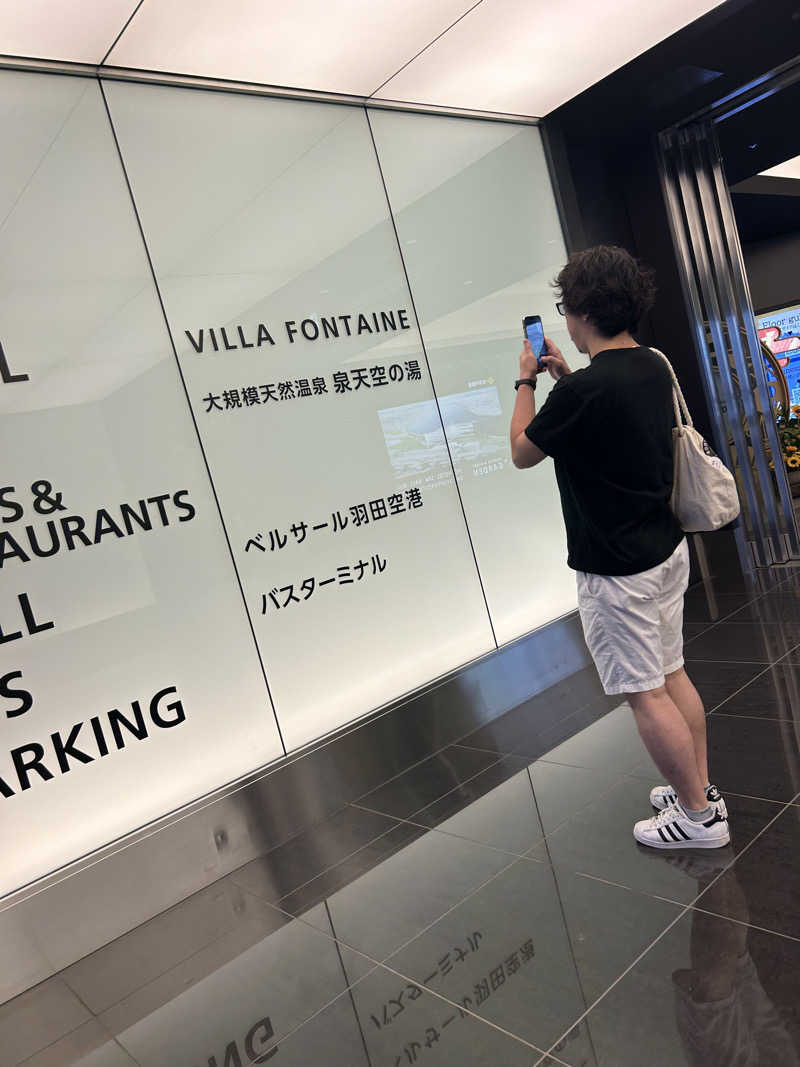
704, 495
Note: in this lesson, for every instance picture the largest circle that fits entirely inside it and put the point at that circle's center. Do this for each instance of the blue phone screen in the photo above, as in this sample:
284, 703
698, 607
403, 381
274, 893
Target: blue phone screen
535, 332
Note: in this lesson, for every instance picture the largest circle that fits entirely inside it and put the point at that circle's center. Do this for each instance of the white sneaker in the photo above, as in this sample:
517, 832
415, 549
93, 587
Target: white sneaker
672, 828
664, 796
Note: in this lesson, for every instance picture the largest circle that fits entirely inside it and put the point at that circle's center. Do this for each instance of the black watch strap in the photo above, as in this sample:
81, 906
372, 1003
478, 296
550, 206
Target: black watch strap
525, 381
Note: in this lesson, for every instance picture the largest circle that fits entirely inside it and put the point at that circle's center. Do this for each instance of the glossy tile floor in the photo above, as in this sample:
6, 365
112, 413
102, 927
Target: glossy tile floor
489, 906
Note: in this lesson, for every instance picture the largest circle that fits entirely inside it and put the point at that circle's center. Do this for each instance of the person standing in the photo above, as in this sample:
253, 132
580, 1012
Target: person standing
608, 428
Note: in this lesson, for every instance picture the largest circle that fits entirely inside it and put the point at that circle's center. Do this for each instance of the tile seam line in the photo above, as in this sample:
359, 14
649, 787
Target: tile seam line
725, 618
357, 800
764, 800
372, 811
349, 991
382, 965
468, 840
98, 1016
319, 874
750, 718
632, 889
750, 926
685, 909
518, 752
328, 1003
728, 792
569, 934
61, 1037
410, 820
418, 763
776, 663
488, 751
419, 933
499, 756
689, 659
790, 652
741, 688
736, 611
480, 1018
459, 785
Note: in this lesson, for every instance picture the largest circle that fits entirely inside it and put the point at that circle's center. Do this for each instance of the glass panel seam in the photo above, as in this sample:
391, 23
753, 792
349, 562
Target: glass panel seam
191, 410
430, 376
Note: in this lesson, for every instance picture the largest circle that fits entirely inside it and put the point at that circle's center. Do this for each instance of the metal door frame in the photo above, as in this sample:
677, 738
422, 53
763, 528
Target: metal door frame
717, 293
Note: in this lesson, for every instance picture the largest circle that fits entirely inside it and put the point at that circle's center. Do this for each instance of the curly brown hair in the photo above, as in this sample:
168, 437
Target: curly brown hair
607, 285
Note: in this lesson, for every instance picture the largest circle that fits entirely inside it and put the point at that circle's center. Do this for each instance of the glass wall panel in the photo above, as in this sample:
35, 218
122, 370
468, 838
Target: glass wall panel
481, 240
277, 262
129, 678
274, 516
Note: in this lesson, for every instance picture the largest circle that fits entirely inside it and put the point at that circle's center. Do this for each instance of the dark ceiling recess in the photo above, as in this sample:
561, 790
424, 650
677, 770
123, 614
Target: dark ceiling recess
677, 83
602, 150
771, 124
764, 207
760, 217
737, 41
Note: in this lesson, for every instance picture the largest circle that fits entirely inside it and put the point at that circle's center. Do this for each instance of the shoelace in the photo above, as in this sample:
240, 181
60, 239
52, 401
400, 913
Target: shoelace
669, 814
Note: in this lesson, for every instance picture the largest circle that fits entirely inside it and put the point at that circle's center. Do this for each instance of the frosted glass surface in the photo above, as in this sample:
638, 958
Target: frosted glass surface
481, 240
268, 225
109, 609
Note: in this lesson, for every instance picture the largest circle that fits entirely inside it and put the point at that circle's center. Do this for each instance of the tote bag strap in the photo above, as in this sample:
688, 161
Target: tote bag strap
682, 416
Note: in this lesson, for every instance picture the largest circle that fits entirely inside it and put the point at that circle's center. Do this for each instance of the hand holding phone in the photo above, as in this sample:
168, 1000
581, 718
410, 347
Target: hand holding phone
534, 331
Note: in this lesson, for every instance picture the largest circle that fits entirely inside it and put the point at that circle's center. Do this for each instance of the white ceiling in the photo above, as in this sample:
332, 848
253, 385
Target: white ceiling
519, 56
789, 169
81, 31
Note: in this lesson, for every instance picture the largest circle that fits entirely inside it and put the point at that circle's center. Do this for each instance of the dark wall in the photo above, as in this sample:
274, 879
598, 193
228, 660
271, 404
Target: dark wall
614, 197
603, 148
773, 270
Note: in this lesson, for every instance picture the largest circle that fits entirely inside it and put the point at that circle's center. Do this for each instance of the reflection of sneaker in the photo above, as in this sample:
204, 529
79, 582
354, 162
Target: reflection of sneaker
702, 866
672, 828
664, 796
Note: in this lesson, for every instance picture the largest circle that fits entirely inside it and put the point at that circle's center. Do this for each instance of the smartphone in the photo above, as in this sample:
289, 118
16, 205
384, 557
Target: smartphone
534, 331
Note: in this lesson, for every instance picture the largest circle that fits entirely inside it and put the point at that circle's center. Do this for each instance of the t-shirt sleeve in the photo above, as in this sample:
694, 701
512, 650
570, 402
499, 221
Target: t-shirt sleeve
554, 428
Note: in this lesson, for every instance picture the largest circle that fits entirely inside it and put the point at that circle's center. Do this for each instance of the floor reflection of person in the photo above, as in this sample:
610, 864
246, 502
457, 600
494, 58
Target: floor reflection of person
725, 1017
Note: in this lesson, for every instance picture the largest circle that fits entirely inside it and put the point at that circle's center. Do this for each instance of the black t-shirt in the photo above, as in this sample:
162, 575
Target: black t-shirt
609, 429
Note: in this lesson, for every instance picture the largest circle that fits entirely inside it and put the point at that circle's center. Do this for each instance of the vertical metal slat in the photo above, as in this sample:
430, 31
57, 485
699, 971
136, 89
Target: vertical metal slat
694, 218
763, 498
743, 304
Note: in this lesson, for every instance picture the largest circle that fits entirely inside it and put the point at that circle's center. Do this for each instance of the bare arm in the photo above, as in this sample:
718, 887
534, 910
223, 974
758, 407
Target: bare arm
524, 453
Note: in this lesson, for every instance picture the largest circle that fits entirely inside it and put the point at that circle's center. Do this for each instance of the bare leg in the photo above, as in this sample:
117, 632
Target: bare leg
668, 739
687, 700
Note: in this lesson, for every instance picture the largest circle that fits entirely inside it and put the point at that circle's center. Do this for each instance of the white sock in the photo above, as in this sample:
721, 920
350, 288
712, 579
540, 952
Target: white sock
698, 816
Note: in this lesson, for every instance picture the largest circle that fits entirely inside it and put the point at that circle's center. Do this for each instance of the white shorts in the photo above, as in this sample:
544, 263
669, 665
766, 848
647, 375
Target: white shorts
634, 624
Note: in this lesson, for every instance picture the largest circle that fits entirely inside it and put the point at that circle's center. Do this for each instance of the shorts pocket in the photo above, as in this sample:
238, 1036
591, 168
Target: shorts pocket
590, 585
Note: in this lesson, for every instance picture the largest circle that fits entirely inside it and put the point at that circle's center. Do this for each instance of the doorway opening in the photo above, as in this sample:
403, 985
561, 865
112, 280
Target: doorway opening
731, 181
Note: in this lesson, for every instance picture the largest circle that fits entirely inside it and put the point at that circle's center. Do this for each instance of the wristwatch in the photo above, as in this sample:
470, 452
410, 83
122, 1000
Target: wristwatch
525, 381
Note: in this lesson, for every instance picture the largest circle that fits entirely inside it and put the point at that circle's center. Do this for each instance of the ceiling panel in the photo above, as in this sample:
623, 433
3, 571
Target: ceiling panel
351, 46
789, 169
80, 31
529, 56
